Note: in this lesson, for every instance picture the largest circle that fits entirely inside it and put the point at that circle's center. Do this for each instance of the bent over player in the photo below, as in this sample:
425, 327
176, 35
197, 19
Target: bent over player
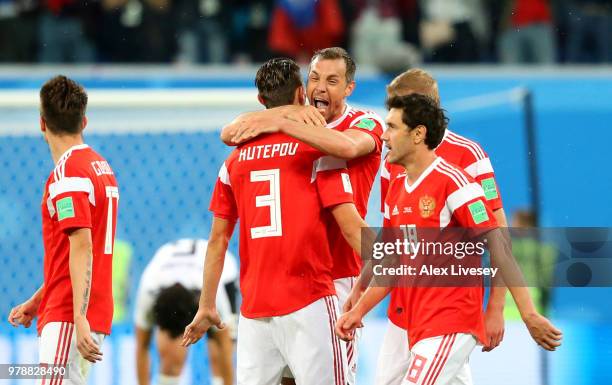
167, 300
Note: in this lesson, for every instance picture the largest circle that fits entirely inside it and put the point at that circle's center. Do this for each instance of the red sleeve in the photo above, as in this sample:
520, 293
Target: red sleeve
371, 125
223, 203
333, 181
469, 208
73, 210
73, 198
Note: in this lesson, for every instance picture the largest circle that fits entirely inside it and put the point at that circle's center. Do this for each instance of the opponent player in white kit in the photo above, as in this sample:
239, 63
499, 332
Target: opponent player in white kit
79, 215
344, 132
167, 299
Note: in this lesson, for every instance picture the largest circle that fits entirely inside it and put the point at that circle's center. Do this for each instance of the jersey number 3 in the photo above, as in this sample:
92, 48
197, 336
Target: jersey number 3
272, 201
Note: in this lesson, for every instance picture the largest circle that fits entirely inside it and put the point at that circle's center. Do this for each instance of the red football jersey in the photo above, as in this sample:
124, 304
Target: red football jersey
81, 192
459, 151
279, 187
443, 196
362, 171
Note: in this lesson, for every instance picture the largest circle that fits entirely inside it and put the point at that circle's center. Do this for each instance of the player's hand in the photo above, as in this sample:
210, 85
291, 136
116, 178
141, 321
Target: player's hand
352, 299
88, 348
203, 320
494, 326
23, 314
304, 114
253, 126
543, 331
346, 325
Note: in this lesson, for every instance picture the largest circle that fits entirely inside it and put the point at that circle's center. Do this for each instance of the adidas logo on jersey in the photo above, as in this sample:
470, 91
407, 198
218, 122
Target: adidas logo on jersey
395, 211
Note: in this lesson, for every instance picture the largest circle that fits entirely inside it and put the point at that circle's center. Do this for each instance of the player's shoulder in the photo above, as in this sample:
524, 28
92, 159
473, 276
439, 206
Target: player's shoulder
72, 161
453, 176
81, 161
363, 118
461, 144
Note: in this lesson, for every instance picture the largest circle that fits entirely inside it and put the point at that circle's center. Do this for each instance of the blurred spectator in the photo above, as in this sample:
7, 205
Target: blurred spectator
17, 30
451, 30
136, 31
300, 27
202, 31
159, 30
248, 30
527, 32
377, 38
590, 30
62, 36
117, 31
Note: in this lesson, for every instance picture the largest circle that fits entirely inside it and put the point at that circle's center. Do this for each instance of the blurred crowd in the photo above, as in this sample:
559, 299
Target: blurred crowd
384, 33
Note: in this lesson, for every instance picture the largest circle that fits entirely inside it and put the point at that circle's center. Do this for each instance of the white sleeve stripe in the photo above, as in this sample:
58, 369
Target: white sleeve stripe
346, 183
453, 177
384, 171
473, 145
480, 167
73, 184
452, 169
372, 116
326, 163
224, 175
474, 152
386, 214
464, 195
50, 207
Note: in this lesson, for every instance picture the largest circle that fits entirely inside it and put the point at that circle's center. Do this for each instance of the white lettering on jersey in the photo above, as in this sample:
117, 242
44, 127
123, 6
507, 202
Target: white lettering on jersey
101, 167
268, 151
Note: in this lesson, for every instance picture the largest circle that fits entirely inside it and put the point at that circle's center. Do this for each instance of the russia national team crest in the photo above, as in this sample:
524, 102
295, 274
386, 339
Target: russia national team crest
427, 206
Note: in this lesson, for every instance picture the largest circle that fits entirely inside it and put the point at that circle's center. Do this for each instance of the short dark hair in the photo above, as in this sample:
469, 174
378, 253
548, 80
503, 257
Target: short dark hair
62, 105
422, 110
334, 53
276, 80
174, 309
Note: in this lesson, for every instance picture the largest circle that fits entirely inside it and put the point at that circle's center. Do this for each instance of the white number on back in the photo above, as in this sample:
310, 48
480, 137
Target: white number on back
111, 192
272, 200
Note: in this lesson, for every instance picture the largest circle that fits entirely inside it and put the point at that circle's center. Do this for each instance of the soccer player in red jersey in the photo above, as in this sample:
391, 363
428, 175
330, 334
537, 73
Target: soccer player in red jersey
79, 215
284, 193
354, 136
444, 323
470, 156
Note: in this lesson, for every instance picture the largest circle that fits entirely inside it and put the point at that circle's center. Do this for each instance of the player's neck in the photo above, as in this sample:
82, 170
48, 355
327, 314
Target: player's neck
417, 164
339, 114
60, 144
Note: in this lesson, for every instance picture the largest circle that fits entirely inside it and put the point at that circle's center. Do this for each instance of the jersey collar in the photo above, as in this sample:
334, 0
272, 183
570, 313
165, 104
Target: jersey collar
336, 122
68, 151
410, 188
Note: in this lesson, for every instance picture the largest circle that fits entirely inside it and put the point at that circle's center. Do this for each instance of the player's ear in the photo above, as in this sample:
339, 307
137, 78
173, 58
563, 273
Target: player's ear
419, 134
84, 123
43, 125
349, 89
300, 96
261, 100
